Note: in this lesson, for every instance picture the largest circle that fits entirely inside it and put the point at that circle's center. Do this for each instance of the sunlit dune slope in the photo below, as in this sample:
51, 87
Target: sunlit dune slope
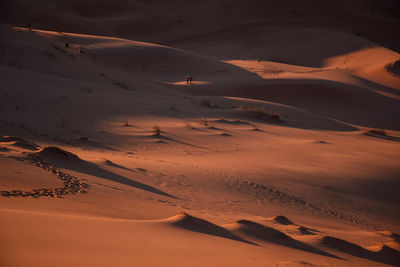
283, 150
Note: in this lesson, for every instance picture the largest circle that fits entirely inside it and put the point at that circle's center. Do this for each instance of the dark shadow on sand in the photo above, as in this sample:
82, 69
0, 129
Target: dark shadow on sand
383, 136
166, 138
72, 162
195, 224
386, 255
272, 235
112, 164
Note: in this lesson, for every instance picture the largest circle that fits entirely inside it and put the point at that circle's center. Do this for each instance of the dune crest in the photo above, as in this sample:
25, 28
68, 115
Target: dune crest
274, 125
268, 234
282, 220
189, 222
58, 153
385, 254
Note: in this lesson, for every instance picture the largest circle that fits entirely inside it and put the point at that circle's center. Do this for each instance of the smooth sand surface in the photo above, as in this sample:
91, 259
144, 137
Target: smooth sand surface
284, 150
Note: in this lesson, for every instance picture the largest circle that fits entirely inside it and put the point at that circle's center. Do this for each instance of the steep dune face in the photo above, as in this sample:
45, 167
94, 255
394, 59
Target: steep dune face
268, 234
385, 254
293, 110
199, 225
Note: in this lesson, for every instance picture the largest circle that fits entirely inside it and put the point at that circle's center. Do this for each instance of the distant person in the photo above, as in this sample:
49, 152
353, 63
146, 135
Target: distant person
187, 78
190, 79
29, 26
66, 45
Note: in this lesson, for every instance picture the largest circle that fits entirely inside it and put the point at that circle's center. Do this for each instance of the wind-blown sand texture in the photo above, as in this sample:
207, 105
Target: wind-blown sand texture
284, 150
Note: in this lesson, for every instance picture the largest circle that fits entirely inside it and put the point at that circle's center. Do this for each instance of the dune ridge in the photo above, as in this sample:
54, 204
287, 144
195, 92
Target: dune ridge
72, 185
200, 133
385, 254
195, 224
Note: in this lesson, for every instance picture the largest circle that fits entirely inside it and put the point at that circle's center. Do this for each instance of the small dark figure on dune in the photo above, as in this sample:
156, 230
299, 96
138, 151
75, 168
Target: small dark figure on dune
189, 79
66, 45
29, 26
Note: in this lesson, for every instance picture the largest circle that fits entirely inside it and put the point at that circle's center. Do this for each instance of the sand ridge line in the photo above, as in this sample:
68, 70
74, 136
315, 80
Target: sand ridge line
265, 233
72, 184
385, 254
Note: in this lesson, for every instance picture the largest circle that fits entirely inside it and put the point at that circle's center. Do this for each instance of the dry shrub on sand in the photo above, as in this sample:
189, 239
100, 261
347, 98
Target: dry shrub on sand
156, 131
207, 123
205, 103
125, 122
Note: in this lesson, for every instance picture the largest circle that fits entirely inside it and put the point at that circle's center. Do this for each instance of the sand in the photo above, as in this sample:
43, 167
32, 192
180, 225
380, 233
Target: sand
284, 151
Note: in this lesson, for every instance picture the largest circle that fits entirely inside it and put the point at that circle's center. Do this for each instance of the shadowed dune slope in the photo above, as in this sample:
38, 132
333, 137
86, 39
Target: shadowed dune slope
268, 234
195, 224
282, 220
394, 68
55, 153
43, 51
293, 111
68, 160
385, 254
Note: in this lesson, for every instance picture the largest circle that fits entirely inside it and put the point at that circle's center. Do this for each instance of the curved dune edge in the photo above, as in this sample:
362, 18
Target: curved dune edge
269, 234
282, 220
19, 142
72, 185
195, 224
385, 254
245, 232
254, 233
159, 63
293, 112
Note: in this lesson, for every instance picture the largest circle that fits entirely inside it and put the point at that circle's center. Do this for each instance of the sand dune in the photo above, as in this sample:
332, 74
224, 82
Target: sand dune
68, 160
269, 234
158, 235
385, 254
145, 59
55, 153
282, 220
283, 151
18, 142
191, 223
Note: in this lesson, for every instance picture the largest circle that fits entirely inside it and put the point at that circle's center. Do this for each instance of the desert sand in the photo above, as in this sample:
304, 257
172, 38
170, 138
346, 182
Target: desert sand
283, 151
